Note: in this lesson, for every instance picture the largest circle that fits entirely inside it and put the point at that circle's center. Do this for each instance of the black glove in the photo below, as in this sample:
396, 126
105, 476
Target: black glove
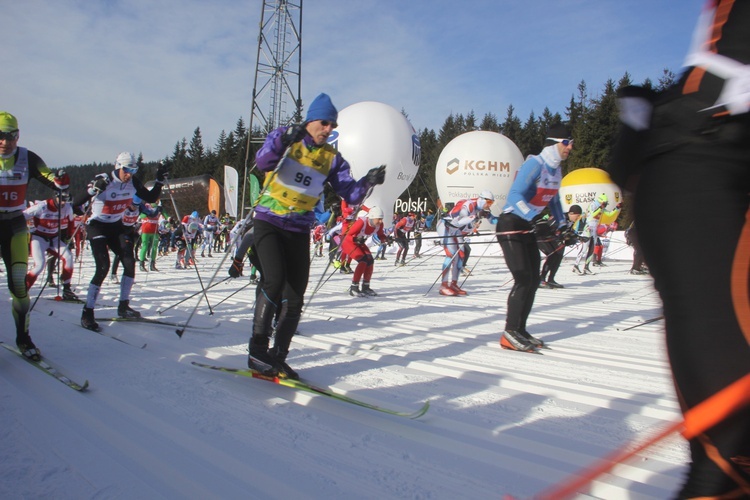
568, 237
543, 228
99, 184
376, 175
359, 240
163, 170
293, 134
235, 270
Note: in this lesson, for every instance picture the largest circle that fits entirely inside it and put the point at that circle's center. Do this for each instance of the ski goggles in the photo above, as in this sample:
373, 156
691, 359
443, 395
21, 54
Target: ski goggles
564, 142
8, 136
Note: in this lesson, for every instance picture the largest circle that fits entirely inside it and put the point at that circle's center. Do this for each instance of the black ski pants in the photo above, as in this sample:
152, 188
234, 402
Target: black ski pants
692, 215
522, 258
285, 262
114, 236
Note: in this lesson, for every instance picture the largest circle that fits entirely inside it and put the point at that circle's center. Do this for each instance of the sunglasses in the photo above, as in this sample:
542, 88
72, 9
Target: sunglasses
8, 136
130, 170
325, 123
564, 142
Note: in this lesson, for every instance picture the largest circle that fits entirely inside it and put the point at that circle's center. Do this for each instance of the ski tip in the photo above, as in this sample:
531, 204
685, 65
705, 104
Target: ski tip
421, 411
84, 387
50, 313
179, 332
58, 298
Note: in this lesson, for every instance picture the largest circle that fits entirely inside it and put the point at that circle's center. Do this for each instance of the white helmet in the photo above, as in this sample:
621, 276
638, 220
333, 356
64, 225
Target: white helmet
487, 195
126, 160
375, 213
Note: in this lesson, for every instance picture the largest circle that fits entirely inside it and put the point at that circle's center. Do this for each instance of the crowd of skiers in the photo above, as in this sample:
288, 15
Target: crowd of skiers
117, 214
686, 142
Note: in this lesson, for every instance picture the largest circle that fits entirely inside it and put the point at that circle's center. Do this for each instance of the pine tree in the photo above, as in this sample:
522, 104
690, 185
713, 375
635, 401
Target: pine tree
196, 154
489, 123
530, 137
511, 127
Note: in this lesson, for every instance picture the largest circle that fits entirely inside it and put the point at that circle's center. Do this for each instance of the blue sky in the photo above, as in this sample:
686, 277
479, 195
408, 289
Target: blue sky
90, 78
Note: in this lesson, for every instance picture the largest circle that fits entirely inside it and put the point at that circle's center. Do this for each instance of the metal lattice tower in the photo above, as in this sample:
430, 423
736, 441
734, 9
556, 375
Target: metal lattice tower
278, 72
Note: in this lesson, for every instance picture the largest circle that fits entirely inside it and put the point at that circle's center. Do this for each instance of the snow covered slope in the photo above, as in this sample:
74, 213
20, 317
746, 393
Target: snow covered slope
152, 425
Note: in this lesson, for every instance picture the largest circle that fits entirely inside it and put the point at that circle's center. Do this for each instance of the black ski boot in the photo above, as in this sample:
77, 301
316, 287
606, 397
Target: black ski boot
27, 348
285, 330
258, 358
515, 341
88, 321
153, 267
68, 293
279, 362
367, 291
143, 267
531, 339
354, 291
125, 311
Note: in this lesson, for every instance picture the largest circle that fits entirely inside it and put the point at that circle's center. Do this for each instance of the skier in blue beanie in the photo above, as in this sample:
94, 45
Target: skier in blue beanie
299, 162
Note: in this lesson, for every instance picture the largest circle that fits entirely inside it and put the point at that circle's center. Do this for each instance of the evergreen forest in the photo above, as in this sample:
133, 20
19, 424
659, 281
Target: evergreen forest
591, 116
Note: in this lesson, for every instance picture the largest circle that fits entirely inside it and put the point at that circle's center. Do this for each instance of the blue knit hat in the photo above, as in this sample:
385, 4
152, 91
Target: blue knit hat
322, 109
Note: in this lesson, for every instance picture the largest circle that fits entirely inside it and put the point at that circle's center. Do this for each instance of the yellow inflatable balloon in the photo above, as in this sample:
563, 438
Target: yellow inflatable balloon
584, 185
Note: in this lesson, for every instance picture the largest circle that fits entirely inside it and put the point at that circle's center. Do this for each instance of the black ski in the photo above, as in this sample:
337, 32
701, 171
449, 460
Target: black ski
308, 387
103, 334
48, 369
69, 301
162, 322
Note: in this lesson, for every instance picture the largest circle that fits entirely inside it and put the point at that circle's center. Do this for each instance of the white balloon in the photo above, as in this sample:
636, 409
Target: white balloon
371, 134
474, 162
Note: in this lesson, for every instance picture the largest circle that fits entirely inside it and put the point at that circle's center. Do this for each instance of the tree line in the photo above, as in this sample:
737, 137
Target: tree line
592, 118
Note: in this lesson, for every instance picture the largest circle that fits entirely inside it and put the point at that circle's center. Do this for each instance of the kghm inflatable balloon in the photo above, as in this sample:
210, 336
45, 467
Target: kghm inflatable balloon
371, 134
474, 162
582, 186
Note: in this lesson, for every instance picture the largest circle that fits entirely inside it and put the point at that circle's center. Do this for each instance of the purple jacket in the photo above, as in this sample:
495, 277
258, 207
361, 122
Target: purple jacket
339, 178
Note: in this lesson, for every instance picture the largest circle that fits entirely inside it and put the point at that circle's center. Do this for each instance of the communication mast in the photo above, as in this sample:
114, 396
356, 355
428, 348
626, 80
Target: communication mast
278, 74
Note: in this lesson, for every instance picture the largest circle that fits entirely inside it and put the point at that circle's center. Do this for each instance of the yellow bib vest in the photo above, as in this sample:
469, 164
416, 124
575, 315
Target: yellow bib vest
297, 184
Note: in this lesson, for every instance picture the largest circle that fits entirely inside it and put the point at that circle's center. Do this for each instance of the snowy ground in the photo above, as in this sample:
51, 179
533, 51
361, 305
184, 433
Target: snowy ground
152, 425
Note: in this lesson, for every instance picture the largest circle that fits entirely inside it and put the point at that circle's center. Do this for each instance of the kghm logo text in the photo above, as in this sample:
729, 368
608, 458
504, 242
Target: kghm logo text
477, 167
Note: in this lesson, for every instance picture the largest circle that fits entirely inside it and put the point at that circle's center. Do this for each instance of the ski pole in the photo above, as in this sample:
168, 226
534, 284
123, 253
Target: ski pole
233, 294
320, 285
443, 273
203, 289
652, 320
475, 265
695, 422
38, 295
193, 295
59, 240
497, 233
191, 256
